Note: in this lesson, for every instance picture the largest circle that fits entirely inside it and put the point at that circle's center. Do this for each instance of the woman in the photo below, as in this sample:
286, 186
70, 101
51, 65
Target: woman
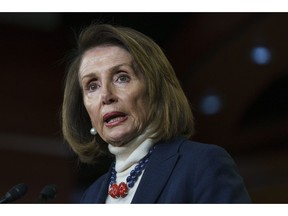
122, 98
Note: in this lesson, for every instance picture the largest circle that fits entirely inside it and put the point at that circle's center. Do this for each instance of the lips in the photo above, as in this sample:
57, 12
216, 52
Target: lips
113, 119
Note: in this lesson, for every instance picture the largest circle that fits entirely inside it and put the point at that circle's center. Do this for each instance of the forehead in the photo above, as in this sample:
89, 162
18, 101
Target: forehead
104, 56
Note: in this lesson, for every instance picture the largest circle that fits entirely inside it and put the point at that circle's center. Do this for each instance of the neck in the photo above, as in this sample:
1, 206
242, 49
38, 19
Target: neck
132, 152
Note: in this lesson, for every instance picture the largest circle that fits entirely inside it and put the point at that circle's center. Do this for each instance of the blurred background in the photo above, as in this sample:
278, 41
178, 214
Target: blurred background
232, 66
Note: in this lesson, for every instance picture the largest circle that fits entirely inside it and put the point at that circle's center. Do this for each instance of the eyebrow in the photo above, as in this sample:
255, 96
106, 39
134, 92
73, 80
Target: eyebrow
112, 69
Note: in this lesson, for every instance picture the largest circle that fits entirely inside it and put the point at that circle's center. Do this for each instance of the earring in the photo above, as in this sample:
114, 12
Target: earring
93, 131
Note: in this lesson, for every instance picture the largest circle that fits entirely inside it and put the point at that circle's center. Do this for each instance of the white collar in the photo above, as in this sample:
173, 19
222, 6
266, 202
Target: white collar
131, 152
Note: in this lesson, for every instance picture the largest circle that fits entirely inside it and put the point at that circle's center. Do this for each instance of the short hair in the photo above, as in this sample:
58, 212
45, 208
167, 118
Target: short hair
170, 113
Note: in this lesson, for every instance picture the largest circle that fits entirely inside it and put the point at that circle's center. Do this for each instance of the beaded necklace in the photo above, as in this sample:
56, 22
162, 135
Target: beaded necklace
116, 191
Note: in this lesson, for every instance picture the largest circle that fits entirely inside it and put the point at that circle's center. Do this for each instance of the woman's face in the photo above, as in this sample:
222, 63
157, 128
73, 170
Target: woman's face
114, 94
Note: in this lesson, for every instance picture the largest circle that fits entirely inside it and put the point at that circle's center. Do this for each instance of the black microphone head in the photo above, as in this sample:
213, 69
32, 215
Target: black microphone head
48, 192
16, 192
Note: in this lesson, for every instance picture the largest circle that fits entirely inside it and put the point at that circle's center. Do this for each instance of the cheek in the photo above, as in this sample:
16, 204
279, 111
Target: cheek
91, 107
140, 107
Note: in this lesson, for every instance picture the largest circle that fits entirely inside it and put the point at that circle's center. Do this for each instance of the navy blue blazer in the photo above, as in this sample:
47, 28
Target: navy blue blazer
182, 171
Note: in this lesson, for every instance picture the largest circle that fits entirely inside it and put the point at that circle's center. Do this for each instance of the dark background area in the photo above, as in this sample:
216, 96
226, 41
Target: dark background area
239, 102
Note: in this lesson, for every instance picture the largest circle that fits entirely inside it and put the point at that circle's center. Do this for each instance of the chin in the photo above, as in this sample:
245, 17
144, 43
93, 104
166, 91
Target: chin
119, 140
119, 136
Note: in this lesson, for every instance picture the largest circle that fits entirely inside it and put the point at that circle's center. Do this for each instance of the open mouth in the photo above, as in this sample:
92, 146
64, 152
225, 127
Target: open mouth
114, 118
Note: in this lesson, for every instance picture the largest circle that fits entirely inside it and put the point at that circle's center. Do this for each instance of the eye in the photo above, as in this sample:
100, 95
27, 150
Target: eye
92, 86
122, 78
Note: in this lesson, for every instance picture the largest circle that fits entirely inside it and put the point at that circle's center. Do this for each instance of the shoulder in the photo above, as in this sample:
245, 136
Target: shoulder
210, 170
196, 155
194, 149
206, 155
202, 150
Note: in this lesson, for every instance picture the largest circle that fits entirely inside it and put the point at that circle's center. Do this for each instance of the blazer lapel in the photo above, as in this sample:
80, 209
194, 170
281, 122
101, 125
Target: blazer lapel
161, 163
101, 197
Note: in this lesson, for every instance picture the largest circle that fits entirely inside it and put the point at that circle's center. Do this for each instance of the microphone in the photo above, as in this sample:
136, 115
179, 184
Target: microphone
48, 192
14, 193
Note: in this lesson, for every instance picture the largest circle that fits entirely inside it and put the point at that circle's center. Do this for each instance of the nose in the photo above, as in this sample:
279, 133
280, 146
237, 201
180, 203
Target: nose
107, 95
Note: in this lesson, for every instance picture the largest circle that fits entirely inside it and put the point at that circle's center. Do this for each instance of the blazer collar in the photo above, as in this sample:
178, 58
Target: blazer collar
103, 192
157, 172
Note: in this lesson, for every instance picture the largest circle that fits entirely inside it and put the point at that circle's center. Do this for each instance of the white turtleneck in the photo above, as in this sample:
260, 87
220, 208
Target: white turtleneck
127, 157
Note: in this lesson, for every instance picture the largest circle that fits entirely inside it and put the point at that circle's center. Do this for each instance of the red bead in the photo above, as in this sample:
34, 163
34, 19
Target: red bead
114, 191
123, 189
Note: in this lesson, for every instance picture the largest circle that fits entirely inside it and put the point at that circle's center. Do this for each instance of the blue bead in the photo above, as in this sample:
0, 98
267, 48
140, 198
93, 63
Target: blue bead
131, 184
137, 167
138, 173
132, 172
128, 179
